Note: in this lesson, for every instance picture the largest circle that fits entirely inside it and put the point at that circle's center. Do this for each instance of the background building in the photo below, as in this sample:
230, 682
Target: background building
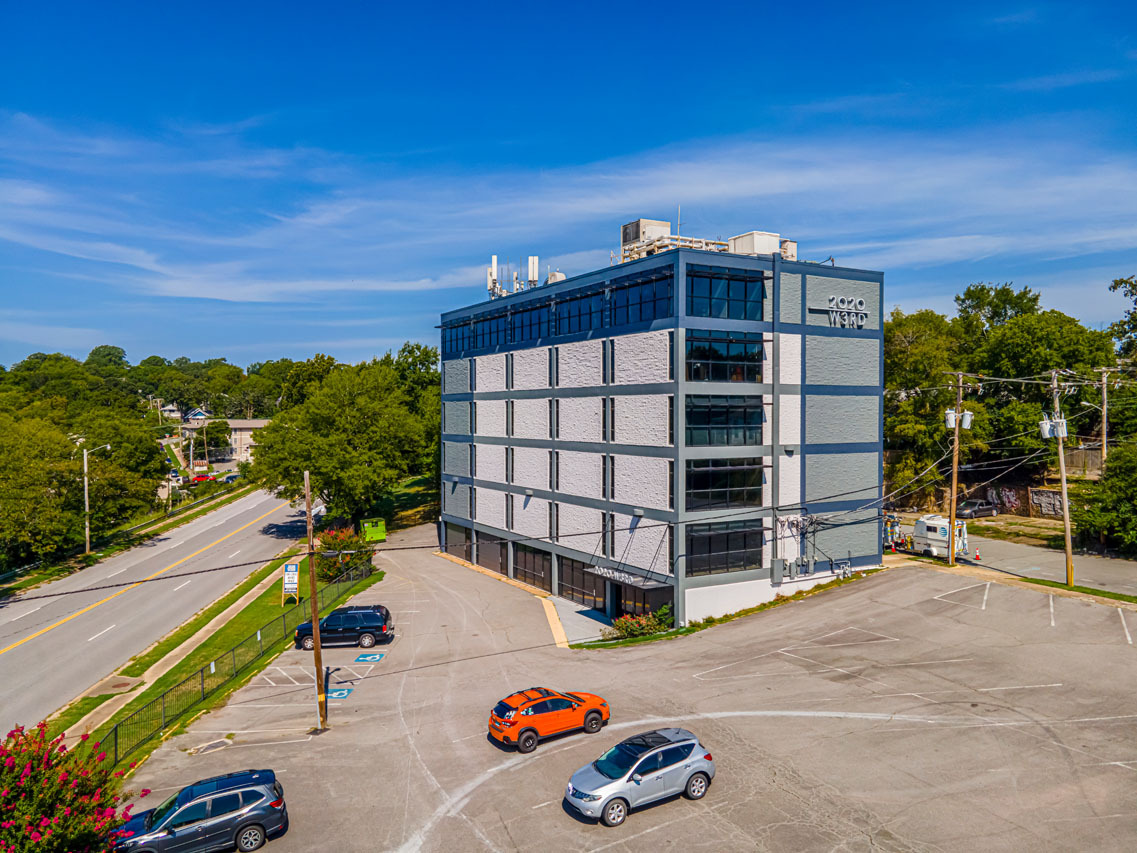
698, 425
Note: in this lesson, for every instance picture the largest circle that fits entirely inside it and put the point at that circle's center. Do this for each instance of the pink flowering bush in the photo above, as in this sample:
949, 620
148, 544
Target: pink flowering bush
54, 798
639, 626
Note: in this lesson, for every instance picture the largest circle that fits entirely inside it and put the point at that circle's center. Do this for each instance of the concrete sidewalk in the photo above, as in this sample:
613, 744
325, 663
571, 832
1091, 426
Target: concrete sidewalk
580, 623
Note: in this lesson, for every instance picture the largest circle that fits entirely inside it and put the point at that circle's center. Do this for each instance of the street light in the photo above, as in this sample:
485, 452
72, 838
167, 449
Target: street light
87, 500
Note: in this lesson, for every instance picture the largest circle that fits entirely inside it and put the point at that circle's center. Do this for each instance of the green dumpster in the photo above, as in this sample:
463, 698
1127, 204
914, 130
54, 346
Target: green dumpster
374, 530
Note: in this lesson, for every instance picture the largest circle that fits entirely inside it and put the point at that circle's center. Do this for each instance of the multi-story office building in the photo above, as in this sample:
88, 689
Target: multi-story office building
698, 425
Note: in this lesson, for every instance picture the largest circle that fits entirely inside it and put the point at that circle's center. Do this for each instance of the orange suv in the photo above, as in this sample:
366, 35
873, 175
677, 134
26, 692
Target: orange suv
530, 715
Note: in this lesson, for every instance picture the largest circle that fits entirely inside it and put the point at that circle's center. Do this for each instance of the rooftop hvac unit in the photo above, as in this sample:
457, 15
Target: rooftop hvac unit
644, 229
757, 243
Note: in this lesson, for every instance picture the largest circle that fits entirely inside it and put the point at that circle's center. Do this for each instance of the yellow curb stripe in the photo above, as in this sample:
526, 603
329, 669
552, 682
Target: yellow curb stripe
559, 636
91, 607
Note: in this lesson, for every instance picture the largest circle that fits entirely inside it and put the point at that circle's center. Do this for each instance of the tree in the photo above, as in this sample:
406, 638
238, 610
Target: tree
41, 490
354, 432
1125, 329
215, 433
1106, 513
983, 307
305, 377
107, 361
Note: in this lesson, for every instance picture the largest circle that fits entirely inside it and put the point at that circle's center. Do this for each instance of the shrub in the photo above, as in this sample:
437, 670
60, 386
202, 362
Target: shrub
331, 562
639, 626
54, 798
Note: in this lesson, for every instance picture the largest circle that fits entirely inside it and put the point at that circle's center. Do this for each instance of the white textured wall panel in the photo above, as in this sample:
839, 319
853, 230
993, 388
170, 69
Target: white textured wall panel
456, 375
489, 462
642, 358
789, 351
531, 369
641, 542
491, 417
582, 521
581, 418
789, 423
531, 418
581, 364
531, 467
581, 474
722, 599
531, 517
789, 479
490, 506
642, 419
489, 373
641, 481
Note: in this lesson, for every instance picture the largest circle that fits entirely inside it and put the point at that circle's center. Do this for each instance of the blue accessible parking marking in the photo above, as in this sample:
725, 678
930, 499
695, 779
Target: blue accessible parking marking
375, 658
341, 693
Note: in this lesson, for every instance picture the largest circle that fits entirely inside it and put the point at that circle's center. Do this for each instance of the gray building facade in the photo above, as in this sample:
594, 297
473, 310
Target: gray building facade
695, 427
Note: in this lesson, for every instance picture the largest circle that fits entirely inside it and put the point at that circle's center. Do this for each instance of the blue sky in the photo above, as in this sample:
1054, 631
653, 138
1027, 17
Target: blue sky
263, 180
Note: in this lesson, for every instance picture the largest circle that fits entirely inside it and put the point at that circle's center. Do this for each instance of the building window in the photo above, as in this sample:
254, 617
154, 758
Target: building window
532, 566
457, 339
641, 298
489, 332
671, 483
671, 356
473, 460
638, 601
552, 367
552, 419
581, 314
473, 503
733, 546
529, 324
611, 536
509, 464
509, 417
727, 294
552, 522
724, 483
671, 419
722, 421
473, 374
611, 361
556, 418
554, 469
611, 419
509, 512
579, 585
724, 356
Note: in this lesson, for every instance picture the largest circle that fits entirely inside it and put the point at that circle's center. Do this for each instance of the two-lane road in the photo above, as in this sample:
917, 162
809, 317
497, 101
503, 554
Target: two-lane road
53, 649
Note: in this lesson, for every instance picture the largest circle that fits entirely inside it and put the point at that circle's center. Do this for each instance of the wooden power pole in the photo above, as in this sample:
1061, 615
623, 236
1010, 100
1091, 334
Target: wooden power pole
1059, 430
954, 468
318, 663
1104, 415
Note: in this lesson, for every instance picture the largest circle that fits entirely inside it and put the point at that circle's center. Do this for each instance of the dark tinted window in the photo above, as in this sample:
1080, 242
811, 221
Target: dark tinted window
726, 547
537, 708
722, 421
190, 814
649, 764
675, 754
724, 483
724, 356
559, 704
728, 294
250, 797
335, 620
224, 804
501, 709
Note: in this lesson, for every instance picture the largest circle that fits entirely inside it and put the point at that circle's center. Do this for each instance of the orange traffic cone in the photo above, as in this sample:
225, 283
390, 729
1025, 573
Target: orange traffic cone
977, 555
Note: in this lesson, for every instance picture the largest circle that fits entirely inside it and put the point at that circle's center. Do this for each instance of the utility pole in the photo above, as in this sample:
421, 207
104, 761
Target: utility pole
87, 501
321, 696
954, 467
1104, 414
1060, 432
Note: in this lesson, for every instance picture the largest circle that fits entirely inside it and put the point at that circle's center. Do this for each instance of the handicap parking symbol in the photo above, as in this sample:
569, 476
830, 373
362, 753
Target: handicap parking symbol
340, 693
374, 658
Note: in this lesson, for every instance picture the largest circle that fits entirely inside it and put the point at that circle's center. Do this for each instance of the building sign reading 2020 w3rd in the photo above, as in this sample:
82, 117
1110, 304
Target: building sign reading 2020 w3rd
847, 312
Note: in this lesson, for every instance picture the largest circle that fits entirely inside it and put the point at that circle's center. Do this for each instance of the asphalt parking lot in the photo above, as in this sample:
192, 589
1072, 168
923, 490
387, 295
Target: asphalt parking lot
912, 710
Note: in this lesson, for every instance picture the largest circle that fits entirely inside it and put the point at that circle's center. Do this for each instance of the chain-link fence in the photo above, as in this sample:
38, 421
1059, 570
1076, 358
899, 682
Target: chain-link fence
153, 717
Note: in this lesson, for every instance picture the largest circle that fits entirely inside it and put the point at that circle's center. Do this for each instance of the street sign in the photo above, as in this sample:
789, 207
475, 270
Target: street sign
340, 693
369, 658
291, 581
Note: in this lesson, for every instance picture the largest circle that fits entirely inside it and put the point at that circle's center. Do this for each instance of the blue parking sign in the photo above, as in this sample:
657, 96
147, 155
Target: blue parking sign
340, 693
373, 658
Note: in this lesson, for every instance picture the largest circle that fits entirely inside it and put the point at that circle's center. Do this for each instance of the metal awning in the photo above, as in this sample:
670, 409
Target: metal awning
626, 578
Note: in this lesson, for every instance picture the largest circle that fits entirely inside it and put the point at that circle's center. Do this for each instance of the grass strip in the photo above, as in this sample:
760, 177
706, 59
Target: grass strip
76, 711
255, 617
710, 621
139, 664
1088, 590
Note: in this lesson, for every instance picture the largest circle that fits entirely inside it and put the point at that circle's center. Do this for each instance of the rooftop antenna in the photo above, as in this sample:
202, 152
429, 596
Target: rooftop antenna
678, 220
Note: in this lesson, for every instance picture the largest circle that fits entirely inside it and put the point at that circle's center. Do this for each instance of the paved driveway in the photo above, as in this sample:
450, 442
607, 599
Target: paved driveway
912, 710
1033, 562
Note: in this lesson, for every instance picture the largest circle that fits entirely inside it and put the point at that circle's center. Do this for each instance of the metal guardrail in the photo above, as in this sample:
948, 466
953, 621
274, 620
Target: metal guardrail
153, 717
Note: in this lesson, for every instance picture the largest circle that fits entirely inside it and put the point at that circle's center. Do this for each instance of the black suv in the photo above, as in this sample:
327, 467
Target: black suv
236, 810
358, 625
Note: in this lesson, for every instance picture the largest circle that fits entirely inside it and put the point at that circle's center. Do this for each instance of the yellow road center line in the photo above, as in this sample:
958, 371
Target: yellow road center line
90, 607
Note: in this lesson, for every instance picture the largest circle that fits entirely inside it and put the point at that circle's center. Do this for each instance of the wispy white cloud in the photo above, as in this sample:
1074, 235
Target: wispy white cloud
1050, 82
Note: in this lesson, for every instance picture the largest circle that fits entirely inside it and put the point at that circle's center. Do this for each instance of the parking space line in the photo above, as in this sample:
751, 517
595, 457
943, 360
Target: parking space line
927, 662
1052, 611
269, 680
286, 675
542, 805
1128, 638
986, 590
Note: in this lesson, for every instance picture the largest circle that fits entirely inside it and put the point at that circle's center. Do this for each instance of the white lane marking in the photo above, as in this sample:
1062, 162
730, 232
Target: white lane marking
283, 705
986, 590
249, 731
927, 662
1128, 638
940, 597
268, 743
1018, 687
119, 572
234, 554
542, 805
26, 613
269, 680
467, 737
1052, 611
100, 633
627, 838
179, 587
286, 675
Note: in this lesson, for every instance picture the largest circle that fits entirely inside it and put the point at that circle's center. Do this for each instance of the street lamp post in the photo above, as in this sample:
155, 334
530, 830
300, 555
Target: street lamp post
87, 499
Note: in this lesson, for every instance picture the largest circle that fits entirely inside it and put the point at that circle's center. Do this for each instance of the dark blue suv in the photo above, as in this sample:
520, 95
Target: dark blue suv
236, 810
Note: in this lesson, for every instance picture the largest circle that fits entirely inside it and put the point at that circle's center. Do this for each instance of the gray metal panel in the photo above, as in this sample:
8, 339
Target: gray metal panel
852, 476
456, 499
819, 288
838, 420
790, 287
855, 533
456, 459
838, 360
456, 417
456, 375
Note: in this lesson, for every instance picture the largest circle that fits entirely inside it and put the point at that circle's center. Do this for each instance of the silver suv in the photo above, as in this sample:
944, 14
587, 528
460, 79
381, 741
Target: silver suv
641, 770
